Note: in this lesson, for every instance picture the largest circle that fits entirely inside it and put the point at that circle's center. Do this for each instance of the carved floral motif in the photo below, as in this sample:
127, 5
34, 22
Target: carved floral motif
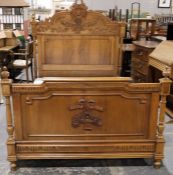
86, 116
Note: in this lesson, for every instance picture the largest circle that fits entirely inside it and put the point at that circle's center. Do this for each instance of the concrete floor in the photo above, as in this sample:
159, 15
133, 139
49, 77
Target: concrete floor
89, 167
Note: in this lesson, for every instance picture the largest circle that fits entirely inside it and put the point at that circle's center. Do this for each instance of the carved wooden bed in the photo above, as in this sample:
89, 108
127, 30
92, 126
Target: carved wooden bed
84, 110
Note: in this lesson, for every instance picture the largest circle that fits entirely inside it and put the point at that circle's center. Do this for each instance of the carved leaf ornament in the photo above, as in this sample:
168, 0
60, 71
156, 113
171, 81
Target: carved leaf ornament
85, 116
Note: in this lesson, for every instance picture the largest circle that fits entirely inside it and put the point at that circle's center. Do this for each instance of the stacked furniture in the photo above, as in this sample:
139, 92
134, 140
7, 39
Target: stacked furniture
24, 60
162, 22
142, 28
140, 60
8, 44
79, 107
159, 60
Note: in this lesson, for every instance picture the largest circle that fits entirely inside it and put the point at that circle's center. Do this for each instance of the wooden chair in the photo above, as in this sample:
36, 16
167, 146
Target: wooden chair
24, 60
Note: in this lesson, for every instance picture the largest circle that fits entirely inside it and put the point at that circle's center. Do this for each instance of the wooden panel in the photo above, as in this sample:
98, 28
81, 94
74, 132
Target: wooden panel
78, 50
74, 55
55, 114
51, 122
78, 56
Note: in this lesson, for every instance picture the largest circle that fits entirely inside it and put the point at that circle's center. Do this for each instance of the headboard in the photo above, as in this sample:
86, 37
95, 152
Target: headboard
78, 42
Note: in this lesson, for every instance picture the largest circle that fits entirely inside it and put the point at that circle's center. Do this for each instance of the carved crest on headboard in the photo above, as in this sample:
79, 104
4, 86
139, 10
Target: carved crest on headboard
77, 20
78, 13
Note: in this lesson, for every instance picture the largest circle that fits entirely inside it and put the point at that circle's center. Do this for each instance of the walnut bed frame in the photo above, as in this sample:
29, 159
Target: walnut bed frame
85, 110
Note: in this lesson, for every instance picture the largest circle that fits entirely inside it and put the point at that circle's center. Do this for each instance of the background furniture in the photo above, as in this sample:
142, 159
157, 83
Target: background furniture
142, 28
6, 59
160, 59
127, 50
162, 22
169, 34
135, 9
140, 60
24, 60
8, 43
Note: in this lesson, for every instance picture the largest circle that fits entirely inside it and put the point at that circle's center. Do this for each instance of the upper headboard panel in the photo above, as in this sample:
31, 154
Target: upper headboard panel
78, 43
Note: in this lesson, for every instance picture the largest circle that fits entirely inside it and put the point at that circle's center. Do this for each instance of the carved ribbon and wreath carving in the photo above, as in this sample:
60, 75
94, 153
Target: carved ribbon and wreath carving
86, 116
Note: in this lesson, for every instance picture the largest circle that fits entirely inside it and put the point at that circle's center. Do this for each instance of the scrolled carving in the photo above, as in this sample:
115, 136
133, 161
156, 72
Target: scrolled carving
78, 12
86, 117
77, 20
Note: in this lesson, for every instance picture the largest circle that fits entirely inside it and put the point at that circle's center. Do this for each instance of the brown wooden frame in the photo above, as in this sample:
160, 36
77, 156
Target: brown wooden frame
78, 43
83, 117
119, 119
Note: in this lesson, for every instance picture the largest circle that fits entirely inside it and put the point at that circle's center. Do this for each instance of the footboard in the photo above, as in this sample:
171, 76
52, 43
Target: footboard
85, 118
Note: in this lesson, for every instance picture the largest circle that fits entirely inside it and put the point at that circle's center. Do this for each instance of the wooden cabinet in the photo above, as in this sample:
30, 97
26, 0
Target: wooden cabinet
140, 60
142, 27
160, 60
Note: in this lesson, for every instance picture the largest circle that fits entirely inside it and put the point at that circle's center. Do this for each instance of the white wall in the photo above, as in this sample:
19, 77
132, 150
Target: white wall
150, 6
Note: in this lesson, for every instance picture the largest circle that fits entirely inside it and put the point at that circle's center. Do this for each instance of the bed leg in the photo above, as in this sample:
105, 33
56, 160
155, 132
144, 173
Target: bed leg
6, 88
157, 163
165, 91
13, 165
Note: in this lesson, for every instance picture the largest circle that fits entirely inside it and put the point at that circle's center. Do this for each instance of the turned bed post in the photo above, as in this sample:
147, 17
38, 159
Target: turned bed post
33, 22
6, 90
164, 92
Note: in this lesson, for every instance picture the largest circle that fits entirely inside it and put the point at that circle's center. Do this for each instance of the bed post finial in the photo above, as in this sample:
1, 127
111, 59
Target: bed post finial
33, 17
6, 91
5, 74
78, 14
165, 91
166, 73
81, 1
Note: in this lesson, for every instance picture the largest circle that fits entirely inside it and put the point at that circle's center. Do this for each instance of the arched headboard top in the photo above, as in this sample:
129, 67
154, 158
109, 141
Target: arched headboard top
78, 20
